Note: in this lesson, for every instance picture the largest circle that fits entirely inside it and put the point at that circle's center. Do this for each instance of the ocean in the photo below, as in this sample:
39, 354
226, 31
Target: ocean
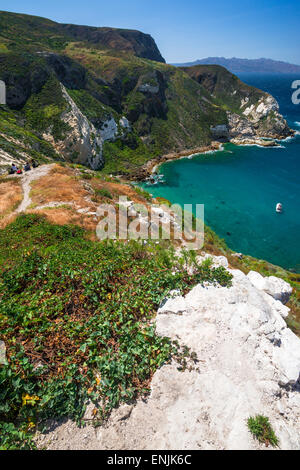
241, 185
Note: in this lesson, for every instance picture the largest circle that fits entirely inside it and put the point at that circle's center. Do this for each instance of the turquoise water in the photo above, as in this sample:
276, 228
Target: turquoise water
240, 187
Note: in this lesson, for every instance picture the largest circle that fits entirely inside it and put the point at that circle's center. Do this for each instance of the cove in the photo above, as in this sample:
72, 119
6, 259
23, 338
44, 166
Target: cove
240, 187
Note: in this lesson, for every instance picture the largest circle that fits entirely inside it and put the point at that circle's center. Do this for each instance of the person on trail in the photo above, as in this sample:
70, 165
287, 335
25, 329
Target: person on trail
34, 164
27, 167
13, 169
19, 171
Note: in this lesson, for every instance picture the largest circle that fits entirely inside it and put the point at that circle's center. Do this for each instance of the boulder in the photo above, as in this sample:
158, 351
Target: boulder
274, 286
217, 261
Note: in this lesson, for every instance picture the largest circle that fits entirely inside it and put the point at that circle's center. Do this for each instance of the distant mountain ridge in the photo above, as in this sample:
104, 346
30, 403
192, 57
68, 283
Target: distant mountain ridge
236, 65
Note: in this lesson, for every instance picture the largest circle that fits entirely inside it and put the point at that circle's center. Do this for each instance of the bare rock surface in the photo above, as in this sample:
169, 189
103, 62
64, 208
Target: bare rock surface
248, 364
277, 288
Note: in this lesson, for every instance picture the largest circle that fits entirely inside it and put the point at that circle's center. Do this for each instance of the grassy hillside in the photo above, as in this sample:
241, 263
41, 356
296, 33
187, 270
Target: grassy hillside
108, 73
228, 89
33, 33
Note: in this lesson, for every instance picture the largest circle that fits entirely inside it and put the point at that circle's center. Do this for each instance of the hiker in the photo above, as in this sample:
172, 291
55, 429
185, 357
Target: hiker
34, 164
19, 171
27, 167
13, 169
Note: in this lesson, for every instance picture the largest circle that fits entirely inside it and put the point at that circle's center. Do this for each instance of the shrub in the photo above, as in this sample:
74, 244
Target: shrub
103, 193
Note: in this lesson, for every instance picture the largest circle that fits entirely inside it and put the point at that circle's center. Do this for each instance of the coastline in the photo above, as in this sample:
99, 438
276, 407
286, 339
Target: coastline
152, 165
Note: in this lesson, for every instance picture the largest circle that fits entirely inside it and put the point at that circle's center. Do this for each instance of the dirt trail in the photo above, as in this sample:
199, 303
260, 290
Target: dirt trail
27, 179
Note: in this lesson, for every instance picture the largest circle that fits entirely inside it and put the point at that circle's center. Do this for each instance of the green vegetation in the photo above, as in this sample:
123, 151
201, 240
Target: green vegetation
16, 140
75, 317
102, 192
31, 32
43, 110
93, 109
261, 429
105, 82
142, 193
228, 89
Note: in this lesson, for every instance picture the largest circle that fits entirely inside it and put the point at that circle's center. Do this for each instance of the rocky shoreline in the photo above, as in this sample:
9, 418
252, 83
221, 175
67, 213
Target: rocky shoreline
260, 142
152, 165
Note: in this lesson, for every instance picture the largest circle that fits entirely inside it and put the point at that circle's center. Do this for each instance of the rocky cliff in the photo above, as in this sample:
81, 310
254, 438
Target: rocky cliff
252, 113
82, 142
112, 75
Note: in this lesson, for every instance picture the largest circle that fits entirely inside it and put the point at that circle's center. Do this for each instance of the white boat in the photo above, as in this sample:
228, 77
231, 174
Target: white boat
279, 207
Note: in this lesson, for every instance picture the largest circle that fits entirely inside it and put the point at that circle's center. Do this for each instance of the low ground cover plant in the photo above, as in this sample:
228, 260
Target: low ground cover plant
75, 316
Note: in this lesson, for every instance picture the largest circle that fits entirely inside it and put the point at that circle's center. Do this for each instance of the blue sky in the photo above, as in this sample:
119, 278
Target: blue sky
190, 29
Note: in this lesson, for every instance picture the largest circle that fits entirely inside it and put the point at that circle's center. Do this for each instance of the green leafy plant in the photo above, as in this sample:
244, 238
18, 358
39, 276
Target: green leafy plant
75, 316
261, 429
102, 192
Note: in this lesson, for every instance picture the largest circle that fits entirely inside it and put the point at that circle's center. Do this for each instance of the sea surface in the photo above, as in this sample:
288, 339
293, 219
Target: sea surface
241, 185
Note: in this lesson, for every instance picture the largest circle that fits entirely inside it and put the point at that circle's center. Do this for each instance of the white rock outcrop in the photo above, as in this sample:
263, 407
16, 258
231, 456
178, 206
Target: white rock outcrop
248, 364
274, 286
262, 108
83, 143
257, 120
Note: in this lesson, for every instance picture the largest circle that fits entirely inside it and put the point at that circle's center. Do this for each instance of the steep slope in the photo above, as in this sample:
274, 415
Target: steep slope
125, 108
19, 31
250, 112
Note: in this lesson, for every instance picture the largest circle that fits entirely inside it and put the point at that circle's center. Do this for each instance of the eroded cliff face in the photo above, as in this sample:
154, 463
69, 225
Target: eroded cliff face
260, 119
82, 142
251, 113
118, 89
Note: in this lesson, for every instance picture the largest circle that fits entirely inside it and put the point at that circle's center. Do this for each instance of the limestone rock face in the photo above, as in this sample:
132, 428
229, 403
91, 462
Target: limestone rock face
248, 364
261, 119
83, 143
272, 285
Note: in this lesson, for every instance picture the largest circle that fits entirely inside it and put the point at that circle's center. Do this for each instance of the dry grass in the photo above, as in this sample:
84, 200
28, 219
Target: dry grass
117, 190
7, 219
10, 196
59, 185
